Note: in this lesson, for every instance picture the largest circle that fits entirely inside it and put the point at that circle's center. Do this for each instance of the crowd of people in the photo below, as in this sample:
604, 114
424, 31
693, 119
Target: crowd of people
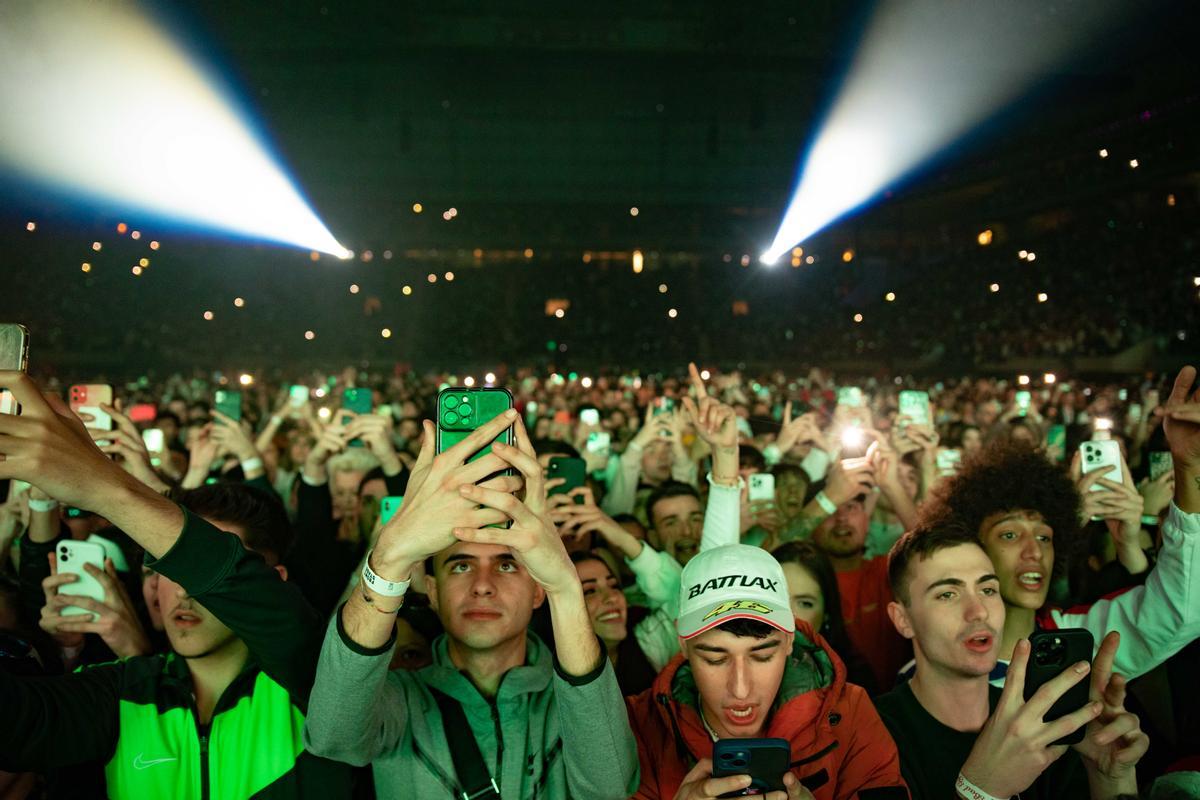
323, 586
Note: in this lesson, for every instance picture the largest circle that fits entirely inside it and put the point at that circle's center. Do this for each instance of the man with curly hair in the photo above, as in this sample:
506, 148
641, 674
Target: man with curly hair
1026, 511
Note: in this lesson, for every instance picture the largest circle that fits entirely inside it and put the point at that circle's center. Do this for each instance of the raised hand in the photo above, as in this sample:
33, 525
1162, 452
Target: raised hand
1120, 505
375, 430
1114, 742
113, 620
1181, 423
1015, 745
799, 431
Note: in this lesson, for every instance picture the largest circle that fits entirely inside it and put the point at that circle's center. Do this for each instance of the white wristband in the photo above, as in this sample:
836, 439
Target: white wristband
827, 505
251, 464
380, 585
970, 790
42, 505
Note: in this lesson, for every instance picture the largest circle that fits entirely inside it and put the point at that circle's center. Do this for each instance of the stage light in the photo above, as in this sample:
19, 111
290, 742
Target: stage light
995, 287
638, 261
97, 246
585, 383
31, 226
1133, 163
136, 271
1042, 297
239, 302
446, 215
354, 288
1049, 378
984, 238
633, 212
925, 75
122, 227
449, 276
102, 104
662, 288
858, 317
143, 262
559, 313
245, 379
387, 255
489, 378
847, 256
431, 278
386, 333
1103, 152
1022, 380
309, 335
418, 208
468, 381
529, 252
153, 245
1031, 257
85, 267
1171, 200
890, 297
208, 315
135, 235
406, 291
672, 313
705, 374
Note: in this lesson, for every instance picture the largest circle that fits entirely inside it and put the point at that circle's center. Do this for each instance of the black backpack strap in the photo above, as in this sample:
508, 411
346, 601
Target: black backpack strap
473, 777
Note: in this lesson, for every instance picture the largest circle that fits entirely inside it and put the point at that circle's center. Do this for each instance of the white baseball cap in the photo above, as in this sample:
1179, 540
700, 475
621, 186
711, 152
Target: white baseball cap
736, 581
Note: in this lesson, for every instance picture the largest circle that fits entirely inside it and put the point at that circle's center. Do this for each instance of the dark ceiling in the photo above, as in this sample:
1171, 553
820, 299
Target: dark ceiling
543, 123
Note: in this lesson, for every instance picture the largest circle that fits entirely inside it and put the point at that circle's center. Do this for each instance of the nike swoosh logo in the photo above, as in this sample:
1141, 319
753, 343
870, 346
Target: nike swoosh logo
142, 763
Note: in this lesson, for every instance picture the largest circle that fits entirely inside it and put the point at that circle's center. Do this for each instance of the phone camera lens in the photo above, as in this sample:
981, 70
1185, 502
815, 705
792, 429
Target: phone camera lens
450, 418
450, 401
739, 762
464, 409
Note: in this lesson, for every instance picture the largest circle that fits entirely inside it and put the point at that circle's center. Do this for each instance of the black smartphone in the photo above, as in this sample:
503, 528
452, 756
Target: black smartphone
1050, 654
572, 470
764, 760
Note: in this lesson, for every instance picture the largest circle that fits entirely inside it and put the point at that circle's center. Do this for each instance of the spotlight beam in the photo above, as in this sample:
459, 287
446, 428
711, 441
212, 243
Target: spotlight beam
926, 74
100, 103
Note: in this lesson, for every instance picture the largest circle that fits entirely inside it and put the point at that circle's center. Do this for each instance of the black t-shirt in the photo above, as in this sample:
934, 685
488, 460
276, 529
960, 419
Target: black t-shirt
932, 754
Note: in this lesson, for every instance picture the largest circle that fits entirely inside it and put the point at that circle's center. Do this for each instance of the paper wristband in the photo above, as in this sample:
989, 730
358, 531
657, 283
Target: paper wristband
968, 789
381, 586
251, 464
827, 505
42, 505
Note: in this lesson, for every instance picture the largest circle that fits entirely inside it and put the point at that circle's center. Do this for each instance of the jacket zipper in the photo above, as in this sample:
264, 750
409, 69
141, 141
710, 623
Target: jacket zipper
204, 764
499, 744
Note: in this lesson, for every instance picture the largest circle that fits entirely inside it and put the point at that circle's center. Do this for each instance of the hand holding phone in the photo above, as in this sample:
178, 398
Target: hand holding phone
86, 399
572, 471
1014, 746
765, 760
71, 558
14, 357
761, 487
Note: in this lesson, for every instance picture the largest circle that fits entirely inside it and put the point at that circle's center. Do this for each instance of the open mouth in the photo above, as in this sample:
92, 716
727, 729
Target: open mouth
185, 619
979, 642
743, 715
1031, 580
611, 616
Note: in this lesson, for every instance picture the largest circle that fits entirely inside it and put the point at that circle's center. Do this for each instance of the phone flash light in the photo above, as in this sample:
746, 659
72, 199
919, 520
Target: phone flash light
852, 437
1023, 380
1103, 424
1049, 377
323, 413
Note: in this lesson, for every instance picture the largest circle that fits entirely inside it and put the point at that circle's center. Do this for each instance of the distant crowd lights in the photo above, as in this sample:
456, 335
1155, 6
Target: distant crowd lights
984, 238
239, 302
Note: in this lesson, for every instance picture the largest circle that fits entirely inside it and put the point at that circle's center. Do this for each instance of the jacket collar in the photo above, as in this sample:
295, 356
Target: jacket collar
531, 677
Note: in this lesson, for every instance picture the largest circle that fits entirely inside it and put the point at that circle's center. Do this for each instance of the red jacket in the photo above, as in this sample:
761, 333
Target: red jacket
840, 746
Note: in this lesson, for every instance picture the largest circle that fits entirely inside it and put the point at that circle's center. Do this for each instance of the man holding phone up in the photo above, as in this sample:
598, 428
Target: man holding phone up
497, 713
955, 732
1021, 507
748, 669
222, 715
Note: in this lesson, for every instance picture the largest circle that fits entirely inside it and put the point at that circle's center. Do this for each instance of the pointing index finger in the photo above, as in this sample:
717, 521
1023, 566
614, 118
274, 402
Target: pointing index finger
697, 381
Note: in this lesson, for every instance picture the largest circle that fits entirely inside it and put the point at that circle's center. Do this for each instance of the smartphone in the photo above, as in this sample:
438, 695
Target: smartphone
851, 396
948, 460
72, 555
229, 403
599, 442
85, 398
1135, 411
1057, 437
915, 406
153, 439
589, 416
1024, 399
1160, 462
1103, 455
765, 760
14, 357
762, 487
461, 410
562, 417
1052, 652
297, 395
359, 401
143, 412
388, 508
1122, 395
572, 470
662, 405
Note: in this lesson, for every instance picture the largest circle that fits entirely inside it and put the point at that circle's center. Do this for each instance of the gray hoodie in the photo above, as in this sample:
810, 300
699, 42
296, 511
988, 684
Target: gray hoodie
544, 735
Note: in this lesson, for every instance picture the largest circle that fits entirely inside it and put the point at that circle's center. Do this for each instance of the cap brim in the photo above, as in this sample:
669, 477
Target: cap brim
703, 619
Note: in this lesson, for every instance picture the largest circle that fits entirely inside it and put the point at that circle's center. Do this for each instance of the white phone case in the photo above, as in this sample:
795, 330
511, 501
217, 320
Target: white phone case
762, 487
1101, 455
915, 406
71, 557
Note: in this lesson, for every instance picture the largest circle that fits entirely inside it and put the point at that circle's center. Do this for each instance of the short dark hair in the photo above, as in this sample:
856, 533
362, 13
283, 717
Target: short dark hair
260, 512
922, 542
751, 458
171, 415
665, 491
1010, 476
747, 627
556, 446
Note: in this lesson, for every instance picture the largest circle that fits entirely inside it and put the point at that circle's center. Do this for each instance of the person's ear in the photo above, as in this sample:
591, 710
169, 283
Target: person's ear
282, 570
899, 616
539, 595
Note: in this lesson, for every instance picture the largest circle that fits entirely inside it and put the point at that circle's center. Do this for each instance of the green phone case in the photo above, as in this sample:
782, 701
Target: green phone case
461, 410
229, 404
572, 470
358, 401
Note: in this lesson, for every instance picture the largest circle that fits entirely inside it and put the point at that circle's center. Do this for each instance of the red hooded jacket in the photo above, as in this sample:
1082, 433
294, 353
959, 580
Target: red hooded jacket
840, 747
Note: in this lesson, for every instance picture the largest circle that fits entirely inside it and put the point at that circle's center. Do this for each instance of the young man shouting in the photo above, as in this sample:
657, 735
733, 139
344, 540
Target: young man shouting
954, 731
747, 669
